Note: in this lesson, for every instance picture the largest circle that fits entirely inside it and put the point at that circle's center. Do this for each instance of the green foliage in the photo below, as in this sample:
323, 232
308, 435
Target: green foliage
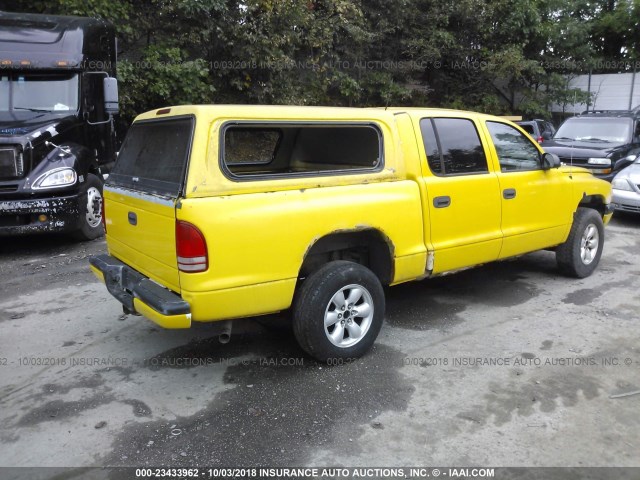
118, 12
614, 32
497, 56
558, 91
163, 76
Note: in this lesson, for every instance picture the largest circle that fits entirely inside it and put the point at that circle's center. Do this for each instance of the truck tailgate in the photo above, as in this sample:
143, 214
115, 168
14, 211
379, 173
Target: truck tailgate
141, 233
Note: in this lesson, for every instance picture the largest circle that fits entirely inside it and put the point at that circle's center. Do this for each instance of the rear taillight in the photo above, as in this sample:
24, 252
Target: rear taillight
540, 139
191, 248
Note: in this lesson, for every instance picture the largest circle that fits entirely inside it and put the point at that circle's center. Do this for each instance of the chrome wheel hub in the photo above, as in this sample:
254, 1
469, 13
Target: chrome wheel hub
348, 316
589, 244
94, 207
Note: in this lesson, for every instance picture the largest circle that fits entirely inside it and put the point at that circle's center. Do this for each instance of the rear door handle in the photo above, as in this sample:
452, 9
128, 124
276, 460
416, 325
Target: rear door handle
442, 202
133, 218
509, 193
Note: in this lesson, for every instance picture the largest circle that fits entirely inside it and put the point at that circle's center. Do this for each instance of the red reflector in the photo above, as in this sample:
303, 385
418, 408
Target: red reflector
162, 111
191, 248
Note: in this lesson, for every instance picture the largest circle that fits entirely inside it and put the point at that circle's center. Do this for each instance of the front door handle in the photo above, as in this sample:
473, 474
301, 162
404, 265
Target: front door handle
509, 193
442, 202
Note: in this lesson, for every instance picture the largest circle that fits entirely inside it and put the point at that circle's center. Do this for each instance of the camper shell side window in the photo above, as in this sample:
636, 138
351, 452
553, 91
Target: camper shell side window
253, 151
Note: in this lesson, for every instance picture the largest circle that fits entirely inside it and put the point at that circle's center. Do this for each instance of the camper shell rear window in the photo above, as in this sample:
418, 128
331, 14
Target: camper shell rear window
154, 156
253, 151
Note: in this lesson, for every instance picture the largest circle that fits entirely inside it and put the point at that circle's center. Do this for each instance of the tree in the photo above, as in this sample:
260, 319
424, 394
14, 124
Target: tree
497, 56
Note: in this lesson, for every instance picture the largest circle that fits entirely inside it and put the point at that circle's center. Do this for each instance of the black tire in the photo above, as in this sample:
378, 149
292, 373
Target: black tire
315, 299
579, 255
90, 221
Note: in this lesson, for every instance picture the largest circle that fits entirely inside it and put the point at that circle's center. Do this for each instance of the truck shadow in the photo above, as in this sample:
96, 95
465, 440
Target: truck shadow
432, 304
44, 244
626, 220
249, 339
437, 302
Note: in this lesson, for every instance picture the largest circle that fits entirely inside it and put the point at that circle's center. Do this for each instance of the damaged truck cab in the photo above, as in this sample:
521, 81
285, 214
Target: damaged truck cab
58, 94
221, 212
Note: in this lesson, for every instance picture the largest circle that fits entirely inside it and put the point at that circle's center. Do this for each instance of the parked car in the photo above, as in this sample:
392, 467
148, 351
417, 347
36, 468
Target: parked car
538, 129
603, 141
221, 212
626, 189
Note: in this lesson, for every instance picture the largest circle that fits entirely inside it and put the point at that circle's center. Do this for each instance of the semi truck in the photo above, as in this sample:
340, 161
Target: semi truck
58, 100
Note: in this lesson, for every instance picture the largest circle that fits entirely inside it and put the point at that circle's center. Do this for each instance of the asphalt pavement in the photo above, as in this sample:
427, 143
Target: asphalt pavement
509, 364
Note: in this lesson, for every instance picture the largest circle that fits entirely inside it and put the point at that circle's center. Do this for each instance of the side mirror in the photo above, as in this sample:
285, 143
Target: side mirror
549, 161
546, 135
110, 87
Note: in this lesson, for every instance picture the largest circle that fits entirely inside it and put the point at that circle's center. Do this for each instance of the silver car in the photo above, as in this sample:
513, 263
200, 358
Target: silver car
626, 188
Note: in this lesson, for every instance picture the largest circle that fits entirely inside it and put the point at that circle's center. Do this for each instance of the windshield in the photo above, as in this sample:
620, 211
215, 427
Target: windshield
607, 130
39, 92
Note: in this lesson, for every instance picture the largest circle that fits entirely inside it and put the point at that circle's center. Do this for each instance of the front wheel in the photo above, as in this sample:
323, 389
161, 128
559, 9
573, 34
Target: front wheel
338, 311
90, 210
580, 254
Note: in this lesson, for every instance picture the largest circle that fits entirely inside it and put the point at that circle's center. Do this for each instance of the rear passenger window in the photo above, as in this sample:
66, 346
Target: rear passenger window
255, 150
528, 129
431, 146
453, 146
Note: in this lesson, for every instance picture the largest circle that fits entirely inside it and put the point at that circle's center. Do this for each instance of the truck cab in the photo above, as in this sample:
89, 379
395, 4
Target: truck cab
58, 95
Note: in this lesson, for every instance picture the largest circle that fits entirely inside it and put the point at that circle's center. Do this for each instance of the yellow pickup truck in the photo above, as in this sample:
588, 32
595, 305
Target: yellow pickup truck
220, 212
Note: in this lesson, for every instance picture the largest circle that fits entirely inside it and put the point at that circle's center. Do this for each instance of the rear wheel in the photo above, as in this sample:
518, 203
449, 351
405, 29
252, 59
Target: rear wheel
338, 311
91, 210
580, 254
